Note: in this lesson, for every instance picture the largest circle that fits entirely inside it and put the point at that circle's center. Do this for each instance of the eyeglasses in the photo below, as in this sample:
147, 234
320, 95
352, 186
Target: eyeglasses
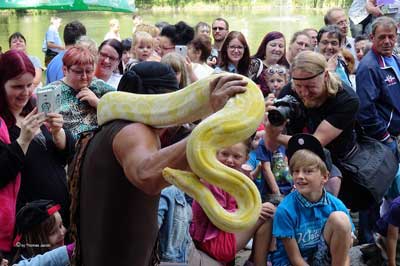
276, 70
333, 43
233, 48
81, 72
104, 56
218, 28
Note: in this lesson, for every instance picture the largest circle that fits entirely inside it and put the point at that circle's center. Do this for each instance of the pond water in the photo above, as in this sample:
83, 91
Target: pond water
253, 22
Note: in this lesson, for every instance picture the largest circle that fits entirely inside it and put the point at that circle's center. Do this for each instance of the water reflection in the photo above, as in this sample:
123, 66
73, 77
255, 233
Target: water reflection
253, 22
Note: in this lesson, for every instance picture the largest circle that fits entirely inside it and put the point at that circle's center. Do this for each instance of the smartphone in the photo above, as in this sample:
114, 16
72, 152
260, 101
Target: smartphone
181, 49
48, 101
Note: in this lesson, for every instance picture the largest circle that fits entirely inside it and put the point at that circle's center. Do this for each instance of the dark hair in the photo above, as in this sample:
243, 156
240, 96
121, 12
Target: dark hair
15, 35
202, 43
126, 44
179, 34
117, 45
332, 30
224, 20
149, 77
360, 38
161, 24
73, 31
34, 224
273, 35
244, 63
13, 63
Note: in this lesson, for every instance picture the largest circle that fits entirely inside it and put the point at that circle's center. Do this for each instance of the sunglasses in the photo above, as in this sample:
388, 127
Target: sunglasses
276, 70
218, 28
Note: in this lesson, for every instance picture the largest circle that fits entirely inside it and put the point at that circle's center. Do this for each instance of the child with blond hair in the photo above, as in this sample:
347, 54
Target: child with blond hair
312, 227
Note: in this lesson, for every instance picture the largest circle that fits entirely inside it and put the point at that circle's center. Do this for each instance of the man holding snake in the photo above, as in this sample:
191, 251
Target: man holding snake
121, 175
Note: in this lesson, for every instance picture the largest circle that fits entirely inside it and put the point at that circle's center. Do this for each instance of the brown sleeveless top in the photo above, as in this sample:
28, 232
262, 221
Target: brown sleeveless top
118, 222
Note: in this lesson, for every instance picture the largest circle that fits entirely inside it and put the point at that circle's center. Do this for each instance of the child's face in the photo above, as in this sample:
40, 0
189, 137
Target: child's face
233, 156
309, 181
143, 50
256, 139
57, 234
276, 82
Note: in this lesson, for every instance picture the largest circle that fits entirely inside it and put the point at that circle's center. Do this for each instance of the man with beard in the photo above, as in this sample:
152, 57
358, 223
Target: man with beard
329, 106
378, 85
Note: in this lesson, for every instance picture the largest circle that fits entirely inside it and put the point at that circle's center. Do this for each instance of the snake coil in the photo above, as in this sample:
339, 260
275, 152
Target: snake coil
235, 122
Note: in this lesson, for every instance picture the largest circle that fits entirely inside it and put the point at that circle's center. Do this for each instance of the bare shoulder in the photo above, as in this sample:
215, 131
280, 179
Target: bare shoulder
135, 138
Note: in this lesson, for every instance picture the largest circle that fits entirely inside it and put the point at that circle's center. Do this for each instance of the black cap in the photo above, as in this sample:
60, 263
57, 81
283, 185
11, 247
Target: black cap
308, 142
34, 213
149, 78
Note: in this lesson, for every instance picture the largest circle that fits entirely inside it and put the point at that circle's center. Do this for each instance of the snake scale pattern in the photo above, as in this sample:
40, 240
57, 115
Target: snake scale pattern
235, 122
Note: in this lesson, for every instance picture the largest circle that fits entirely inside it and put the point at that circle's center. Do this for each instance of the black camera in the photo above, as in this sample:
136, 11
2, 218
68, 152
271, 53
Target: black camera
287, 107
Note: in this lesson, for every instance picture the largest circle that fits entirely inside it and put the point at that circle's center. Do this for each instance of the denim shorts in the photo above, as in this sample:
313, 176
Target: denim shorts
322, 256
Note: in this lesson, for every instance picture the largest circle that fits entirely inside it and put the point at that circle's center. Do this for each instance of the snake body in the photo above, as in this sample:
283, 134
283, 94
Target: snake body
235, 122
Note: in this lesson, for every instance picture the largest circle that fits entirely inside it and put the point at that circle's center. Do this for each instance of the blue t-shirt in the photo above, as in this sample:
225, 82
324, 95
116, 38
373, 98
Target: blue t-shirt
279, 165
392, 216
54, 70
259, 180
390, 61
304, 221
53, 36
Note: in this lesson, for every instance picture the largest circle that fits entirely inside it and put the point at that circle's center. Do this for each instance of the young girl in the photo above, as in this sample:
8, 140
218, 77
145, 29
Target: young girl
223, 246
142, 46
276, 77
182, 67
141, 50
39, 229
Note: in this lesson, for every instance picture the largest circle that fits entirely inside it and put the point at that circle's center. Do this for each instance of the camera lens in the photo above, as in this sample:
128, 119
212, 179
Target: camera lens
276, 118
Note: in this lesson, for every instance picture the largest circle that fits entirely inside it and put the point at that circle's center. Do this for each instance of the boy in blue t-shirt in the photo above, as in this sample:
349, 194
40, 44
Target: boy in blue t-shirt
312, 226
275, 169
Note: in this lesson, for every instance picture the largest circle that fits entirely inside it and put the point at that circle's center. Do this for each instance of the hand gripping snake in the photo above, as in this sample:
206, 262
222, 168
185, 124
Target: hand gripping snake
236, 121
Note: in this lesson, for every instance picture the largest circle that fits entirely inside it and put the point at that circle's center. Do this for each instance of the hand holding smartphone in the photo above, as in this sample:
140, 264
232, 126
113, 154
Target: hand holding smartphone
48, 100
181, 49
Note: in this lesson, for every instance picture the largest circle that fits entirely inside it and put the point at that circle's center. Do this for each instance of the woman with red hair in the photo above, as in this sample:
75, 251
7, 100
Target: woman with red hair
33, 146
80, 90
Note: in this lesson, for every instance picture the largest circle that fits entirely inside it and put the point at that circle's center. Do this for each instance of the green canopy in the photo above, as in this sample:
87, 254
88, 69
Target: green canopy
74, 5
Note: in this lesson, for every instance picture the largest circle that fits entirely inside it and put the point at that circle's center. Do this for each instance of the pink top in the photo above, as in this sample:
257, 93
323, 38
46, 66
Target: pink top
8, 199
201, 228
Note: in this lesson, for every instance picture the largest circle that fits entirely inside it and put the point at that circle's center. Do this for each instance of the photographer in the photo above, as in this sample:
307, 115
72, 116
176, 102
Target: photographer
328, 106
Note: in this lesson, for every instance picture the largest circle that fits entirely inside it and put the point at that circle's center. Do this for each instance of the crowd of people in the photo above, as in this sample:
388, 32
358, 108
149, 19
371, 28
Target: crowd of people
328, 145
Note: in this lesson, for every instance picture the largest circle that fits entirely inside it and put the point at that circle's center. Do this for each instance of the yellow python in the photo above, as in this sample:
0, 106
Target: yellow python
235, 122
